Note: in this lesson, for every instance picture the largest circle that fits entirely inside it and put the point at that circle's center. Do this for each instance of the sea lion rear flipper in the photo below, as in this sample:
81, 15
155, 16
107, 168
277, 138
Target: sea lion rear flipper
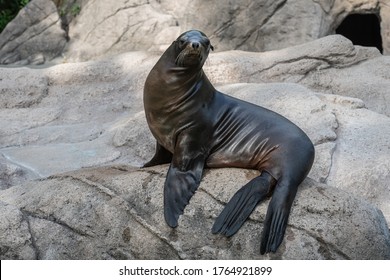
277, 217
161, 156
242, 204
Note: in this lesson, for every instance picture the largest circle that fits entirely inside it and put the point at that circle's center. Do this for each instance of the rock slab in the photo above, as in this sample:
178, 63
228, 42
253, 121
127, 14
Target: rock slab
74, 116
99, 214
34, 36
96, 29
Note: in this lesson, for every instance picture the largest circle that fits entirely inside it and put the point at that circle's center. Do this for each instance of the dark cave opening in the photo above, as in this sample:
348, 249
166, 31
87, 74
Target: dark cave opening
362, 29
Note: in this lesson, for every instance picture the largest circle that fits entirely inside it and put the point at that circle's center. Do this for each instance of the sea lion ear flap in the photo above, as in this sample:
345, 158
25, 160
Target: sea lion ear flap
212, 47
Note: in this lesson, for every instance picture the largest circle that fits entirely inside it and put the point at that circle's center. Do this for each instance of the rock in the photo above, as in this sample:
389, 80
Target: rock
361, 160
99, 214
52, 159
15, 242
113, 27
20, 89
367, 80
35, 35
330, 65
385, 28
252, 26
12, 174
74, 116
97, 28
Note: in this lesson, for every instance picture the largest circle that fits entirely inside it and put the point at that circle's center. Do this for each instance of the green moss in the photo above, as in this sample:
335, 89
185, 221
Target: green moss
75, 10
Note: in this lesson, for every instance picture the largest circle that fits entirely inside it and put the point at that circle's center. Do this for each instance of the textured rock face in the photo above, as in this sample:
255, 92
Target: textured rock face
33, 36
105, 27
329, 65
82, 115
250, 25
102, 28
97, 214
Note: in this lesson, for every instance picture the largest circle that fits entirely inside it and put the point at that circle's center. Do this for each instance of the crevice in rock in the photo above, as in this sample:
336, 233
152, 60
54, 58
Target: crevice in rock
65, 26
255, 28
152, 175
325, 9
201, 189
219, 32
55, 220
139, 24
32, 237
153, 230
112, 15
95, 185
333, 151
33, 35
324, 63
326, 246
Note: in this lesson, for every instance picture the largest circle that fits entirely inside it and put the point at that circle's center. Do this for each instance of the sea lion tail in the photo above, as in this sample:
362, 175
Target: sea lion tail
242, 204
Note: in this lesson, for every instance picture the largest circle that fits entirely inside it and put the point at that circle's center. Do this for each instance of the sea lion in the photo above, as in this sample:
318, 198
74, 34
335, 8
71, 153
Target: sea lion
197, 126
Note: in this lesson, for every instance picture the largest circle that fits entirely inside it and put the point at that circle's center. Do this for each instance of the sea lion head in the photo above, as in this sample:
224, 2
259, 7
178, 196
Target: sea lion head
192, 49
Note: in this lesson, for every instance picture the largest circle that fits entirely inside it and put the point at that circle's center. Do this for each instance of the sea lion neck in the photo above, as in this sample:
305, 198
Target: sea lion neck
170, 81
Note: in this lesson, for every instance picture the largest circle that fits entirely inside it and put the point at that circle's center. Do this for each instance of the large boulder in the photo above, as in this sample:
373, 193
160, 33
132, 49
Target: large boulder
330, 65
34, 36
117, 213
100, 28
81, 115
263, 25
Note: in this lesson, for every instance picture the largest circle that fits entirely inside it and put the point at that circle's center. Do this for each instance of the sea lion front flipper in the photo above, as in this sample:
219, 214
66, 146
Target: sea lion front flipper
242, 204
184, 175
179, 187
277, 217
161, 156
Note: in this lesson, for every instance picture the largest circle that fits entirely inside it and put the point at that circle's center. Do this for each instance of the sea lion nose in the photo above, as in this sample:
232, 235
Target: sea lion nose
195, 45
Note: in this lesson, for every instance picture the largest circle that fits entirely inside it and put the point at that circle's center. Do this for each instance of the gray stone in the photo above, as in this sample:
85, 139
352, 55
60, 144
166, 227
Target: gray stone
116, 213
13, 174
74, 116
33, 36
331, 65
361, 158
16, 241
102, 28
250, 25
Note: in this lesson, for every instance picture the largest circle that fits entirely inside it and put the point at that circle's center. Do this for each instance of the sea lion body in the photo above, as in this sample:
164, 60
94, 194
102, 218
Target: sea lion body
197, 126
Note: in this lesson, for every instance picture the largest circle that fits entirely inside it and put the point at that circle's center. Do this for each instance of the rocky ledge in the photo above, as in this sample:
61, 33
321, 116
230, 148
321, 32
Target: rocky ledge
73, 136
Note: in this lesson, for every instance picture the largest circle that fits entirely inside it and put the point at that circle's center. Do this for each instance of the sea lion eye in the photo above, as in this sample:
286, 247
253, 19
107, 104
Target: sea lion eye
207, 43
182, 42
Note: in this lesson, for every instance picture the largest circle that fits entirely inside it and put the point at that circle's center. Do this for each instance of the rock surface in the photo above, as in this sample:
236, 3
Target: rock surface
99, 28
69, 117
329, 65
33, 36
250, 25
99, 214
